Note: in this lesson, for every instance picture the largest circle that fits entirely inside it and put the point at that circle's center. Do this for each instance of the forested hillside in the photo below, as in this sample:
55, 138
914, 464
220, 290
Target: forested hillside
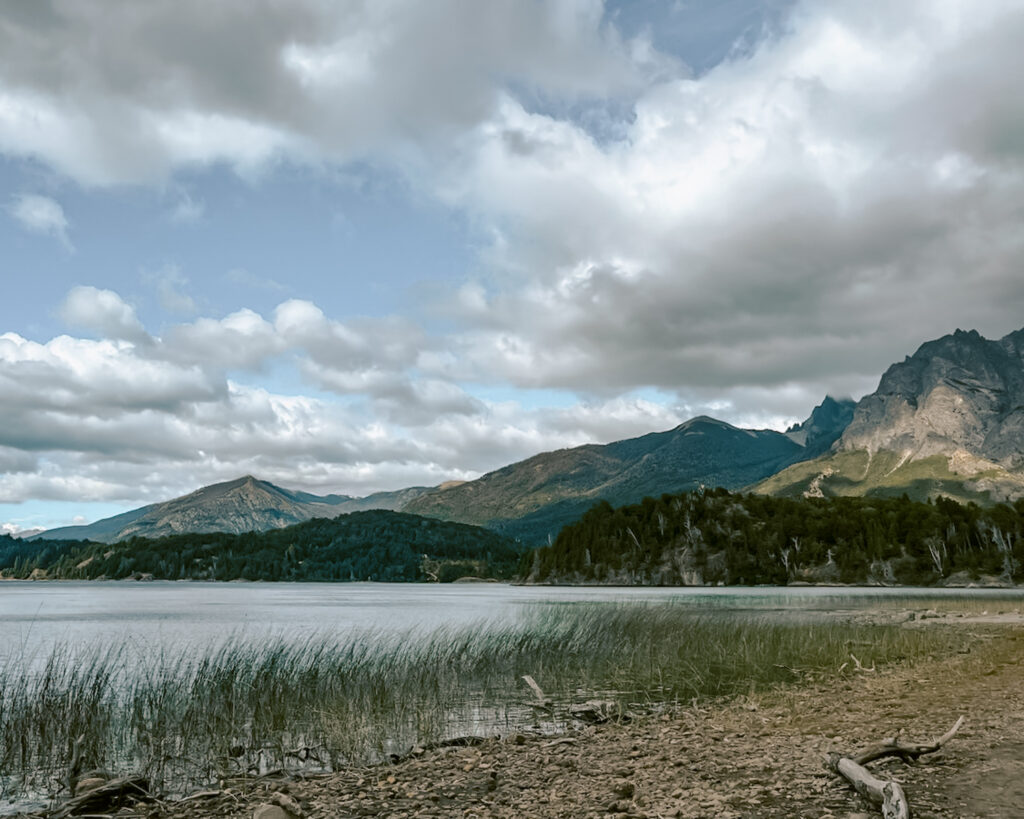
719, 537
373, 545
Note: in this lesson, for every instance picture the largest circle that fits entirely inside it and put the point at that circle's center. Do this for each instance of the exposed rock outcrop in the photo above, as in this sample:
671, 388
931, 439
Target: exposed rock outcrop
961, 393
948, 420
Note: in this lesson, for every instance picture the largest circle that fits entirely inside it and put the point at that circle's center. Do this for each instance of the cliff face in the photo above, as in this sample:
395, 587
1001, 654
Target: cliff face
961, 393
948, 420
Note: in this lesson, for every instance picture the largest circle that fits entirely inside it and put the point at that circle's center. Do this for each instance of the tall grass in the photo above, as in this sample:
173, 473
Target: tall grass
329, 702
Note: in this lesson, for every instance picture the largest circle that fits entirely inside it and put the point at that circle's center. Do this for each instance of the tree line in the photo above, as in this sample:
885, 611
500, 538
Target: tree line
373, 545
715, 536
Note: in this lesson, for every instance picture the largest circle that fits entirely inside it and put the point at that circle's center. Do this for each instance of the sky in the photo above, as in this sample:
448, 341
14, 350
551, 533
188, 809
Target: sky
362, 245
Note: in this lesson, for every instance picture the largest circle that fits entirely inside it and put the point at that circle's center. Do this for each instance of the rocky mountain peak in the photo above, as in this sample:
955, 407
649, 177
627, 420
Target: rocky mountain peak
958, 393
823, 427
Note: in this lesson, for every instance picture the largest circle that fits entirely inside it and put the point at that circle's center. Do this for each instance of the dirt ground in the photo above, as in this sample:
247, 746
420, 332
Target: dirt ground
752, 757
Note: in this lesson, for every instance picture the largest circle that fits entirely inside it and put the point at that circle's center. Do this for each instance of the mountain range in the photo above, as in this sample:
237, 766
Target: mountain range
948, 420
536, 497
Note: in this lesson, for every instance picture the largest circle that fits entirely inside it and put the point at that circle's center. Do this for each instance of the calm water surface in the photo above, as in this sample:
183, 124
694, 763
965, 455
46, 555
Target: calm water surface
167, 615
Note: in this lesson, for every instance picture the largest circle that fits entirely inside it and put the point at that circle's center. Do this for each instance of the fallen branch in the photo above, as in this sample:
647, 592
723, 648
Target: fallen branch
858, 665
888, 794
908, 753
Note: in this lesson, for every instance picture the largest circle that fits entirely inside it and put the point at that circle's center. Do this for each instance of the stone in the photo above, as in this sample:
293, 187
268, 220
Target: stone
270, 812
625, 789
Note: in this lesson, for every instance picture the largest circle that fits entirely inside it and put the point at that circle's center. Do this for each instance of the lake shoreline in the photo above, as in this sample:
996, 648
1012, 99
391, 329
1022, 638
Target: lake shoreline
748, 643
987, 583
749, 756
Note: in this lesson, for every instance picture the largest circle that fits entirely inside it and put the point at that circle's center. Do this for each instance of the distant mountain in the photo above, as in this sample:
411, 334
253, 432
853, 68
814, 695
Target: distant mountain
948, 420
242, 505
536, 497
827, 423
24, 533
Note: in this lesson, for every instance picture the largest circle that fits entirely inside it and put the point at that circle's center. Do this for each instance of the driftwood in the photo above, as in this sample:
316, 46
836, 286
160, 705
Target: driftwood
597, 712
542, 701
908, 753
888, 794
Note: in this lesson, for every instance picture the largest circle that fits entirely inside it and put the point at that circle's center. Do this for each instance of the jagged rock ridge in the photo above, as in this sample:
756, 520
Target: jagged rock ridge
959, 392
824, 427
947, 420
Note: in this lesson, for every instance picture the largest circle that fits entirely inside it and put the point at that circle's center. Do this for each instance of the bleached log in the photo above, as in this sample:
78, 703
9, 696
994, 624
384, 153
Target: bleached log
888, 794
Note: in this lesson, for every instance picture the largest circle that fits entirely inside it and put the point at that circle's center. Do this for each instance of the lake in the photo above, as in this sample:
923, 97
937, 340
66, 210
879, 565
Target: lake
161, 615
273, 689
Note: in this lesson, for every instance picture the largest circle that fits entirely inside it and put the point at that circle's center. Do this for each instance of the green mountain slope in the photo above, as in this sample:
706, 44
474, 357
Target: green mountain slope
889, 474
536, 497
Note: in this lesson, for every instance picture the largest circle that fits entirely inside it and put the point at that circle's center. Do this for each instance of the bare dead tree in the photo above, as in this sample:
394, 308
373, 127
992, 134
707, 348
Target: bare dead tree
937, 550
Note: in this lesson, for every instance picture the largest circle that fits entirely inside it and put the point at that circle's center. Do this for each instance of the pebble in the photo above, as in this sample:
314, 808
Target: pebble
270, 812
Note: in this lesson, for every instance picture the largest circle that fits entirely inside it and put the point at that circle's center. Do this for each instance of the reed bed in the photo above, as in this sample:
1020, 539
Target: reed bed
324, 702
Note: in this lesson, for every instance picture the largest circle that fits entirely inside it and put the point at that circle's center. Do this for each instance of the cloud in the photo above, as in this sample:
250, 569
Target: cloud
113, 420
104, 312
17, 530
240, 340
804, 214
816, 203
785, 224
136, 95
41, 214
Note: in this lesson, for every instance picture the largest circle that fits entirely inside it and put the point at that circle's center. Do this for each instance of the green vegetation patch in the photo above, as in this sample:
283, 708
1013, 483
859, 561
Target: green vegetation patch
374, 545
882, 474
717, 537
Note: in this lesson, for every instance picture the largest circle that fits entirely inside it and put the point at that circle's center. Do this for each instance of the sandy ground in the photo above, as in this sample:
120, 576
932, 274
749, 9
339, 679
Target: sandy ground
752, 757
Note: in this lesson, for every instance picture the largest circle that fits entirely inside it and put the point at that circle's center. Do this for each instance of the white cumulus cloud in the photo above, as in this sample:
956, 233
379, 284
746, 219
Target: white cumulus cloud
104, 312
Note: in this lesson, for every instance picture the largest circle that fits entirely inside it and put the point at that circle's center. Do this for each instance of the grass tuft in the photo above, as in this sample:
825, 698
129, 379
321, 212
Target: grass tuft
246, 707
